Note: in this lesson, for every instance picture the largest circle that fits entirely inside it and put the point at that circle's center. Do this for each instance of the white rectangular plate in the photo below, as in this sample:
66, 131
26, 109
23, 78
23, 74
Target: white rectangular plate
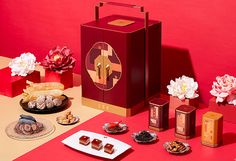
73, 142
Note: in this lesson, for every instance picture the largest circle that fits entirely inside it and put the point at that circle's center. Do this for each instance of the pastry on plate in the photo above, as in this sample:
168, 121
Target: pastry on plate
109, 148
84, 140
96, 144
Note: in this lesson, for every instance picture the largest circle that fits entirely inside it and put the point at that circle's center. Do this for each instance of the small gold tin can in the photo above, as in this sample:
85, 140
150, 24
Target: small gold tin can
212, 129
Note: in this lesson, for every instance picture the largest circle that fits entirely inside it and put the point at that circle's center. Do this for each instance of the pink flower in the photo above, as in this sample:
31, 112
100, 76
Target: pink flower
224, 89
59, 60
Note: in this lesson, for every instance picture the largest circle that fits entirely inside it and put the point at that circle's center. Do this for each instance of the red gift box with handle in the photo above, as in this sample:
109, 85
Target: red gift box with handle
66, 78
228, 111
120, 61
12, 86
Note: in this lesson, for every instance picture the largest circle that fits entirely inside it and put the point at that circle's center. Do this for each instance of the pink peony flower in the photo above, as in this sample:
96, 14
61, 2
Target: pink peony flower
224, 89
59, 60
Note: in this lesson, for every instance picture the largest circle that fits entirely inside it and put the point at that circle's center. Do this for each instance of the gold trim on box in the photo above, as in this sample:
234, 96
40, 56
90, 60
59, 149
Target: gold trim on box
121, 22
122, 111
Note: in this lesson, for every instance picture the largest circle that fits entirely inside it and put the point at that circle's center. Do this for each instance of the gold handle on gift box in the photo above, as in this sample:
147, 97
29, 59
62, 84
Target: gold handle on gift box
99, 70
146, 24
107, 71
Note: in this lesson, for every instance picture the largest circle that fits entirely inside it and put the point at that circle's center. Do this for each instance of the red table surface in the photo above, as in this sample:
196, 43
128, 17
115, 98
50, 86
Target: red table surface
55, 150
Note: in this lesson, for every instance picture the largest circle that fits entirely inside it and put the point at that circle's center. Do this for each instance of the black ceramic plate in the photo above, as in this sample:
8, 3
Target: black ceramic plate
46, 110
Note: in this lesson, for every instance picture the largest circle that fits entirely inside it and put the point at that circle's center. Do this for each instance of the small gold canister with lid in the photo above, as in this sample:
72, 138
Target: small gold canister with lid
212, 129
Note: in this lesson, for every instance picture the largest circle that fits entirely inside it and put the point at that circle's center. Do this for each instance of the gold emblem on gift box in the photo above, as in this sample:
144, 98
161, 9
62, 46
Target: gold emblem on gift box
120, 22
103, 66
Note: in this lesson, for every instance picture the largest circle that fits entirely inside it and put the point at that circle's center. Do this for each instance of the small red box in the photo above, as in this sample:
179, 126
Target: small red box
13, 85
66, 78
176, 102
228, 111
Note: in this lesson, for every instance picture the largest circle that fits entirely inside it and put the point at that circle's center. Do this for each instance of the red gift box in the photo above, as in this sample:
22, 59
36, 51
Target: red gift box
66, 78
228, 111
176, 102
120, 62
13, 85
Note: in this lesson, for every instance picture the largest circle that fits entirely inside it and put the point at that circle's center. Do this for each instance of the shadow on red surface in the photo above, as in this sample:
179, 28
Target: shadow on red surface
229, 138
175, 62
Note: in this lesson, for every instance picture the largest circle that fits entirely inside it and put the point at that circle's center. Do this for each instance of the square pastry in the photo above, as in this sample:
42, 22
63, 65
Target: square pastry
96, 144
109, 148
85, 140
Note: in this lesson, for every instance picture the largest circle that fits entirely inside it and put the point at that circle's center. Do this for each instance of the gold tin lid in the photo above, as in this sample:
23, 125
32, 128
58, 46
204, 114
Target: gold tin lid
213, 115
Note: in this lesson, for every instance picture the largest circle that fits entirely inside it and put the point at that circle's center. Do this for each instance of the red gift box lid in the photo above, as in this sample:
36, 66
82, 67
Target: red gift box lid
103, 23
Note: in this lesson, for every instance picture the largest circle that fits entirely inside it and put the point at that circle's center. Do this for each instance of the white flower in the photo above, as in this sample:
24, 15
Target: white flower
23, 65
183, 87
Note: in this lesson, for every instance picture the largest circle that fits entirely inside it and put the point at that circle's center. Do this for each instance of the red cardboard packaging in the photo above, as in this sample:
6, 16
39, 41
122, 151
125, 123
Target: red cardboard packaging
228, 111
12, 86
66, 78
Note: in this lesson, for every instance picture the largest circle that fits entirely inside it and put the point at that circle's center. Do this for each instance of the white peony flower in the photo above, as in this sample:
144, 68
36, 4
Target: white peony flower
23, 65
183, 87
224, 89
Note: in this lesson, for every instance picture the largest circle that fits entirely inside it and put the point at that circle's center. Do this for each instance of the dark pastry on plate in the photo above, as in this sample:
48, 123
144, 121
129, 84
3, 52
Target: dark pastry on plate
96, 144
109, 148
85, 140
27, 125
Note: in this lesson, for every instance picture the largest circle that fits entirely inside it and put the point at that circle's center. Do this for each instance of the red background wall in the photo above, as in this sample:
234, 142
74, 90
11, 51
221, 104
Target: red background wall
199, 36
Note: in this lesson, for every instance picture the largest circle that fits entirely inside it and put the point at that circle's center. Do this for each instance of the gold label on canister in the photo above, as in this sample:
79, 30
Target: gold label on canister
207, 134
154, 116
180, 125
